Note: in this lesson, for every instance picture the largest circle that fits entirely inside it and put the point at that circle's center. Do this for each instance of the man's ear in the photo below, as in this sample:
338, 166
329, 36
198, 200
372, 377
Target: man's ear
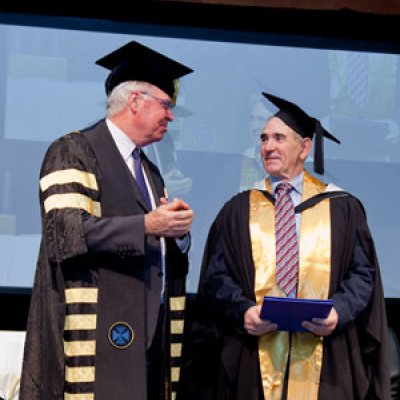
133, 100
306, 147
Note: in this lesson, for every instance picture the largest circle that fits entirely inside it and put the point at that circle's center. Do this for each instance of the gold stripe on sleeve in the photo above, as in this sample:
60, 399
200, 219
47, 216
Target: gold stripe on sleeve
81, 295
176, 349
80, 322
177, 326
71, 175
177, 303
175, 372
79, 374
80, 348
78, 396
72, 200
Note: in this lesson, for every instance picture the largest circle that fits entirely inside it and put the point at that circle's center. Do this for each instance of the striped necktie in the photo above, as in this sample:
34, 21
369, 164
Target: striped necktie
140, 177
287, 257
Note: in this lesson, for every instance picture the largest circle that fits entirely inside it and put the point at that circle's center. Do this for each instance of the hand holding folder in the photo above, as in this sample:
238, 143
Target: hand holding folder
289, 313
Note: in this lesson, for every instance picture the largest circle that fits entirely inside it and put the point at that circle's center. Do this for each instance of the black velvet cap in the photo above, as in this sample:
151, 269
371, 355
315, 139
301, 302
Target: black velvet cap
305, 125
136, 62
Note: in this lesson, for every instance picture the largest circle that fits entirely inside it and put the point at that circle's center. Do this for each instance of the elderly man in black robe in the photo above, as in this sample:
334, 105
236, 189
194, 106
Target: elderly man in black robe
107, 310
234, 354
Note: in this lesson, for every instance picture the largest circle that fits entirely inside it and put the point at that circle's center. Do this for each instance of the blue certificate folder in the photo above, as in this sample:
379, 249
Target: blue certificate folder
289, 313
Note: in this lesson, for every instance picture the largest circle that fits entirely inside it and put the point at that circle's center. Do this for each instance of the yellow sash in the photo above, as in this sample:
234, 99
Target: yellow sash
314, 278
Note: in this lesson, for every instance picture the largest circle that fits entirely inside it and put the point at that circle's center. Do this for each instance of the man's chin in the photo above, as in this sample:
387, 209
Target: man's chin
160, 135
271, 167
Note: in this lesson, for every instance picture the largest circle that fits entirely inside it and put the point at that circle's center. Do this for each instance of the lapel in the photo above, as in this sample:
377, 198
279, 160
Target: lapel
154, 178
120, 185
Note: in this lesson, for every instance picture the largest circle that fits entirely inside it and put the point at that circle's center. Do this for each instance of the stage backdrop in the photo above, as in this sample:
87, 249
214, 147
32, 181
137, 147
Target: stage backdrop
51, 86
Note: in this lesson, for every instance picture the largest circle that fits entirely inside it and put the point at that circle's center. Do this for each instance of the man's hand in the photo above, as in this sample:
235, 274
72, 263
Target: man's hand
169, 219
322, 326
256, 326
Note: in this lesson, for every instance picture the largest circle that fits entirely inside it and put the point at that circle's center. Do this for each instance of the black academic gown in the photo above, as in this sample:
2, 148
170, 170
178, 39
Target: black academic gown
98, 278
222, 360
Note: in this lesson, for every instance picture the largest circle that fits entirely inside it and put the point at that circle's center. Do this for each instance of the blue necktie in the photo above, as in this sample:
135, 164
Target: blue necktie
140, 177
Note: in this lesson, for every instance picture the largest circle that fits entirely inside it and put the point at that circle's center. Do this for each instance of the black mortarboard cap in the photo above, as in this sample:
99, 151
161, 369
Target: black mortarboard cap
136, 62
305, 125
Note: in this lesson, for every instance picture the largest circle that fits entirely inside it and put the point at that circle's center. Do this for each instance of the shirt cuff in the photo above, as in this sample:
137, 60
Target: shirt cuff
183, 243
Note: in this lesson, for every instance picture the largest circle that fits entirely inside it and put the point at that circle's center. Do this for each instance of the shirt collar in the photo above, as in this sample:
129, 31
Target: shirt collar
296, 182
124, 144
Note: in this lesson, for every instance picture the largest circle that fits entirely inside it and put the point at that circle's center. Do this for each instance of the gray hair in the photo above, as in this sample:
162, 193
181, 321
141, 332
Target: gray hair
118, 98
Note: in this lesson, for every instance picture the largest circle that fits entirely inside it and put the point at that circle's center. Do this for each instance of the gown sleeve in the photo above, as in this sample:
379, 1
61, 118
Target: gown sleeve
68, 189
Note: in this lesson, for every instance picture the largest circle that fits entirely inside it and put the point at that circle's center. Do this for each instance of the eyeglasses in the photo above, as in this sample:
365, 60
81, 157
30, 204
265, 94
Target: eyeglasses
167, 104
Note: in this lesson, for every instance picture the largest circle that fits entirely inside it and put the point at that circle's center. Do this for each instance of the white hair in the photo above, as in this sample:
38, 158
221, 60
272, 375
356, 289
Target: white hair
118, 98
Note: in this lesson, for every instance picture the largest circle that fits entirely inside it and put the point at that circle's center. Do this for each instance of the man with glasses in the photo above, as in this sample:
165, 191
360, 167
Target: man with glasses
108, 300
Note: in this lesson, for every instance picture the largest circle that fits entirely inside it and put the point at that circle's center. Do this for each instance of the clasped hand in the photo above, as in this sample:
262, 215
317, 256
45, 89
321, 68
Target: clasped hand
172, 219
256, 326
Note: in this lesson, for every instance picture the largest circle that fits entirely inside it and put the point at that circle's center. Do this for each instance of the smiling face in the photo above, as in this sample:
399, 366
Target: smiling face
153, 114
283, 151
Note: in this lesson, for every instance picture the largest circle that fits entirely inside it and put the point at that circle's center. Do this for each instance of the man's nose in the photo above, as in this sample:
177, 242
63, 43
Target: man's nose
170, 114
268, 145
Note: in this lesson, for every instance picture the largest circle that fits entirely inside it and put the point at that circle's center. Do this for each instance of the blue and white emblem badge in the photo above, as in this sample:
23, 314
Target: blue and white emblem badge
121, 335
